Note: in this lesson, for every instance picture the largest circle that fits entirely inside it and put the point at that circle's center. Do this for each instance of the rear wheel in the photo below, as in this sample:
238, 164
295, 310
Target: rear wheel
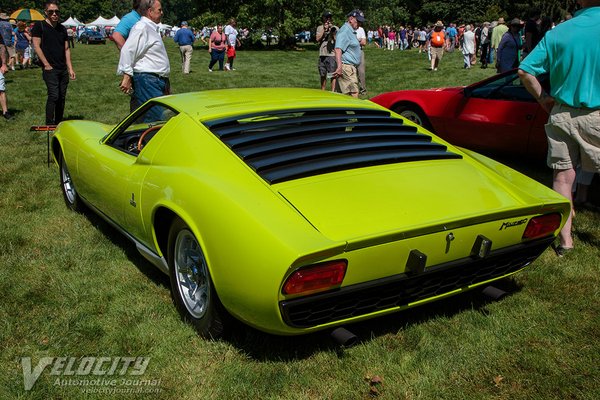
69, 192
191, 285
413, 114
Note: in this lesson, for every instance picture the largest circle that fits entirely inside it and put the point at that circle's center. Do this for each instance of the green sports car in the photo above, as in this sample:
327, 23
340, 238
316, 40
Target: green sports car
296, 210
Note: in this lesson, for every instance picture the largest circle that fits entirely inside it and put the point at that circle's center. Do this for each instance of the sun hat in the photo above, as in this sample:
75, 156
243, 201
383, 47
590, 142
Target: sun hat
439, 23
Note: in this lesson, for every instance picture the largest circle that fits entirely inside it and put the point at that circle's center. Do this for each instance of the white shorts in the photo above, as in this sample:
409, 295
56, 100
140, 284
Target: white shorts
2, 85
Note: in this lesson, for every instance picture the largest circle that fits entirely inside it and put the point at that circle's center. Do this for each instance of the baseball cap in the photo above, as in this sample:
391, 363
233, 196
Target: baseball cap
359, 15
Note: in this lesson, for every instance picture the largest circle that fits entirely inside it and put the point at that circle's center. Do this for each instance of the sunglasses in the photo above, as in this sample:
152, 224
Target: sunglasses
51, 12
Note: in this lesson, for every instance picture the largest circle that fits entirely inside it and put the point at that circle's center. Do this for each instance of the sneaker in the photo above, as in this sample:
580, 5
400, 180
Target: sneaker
227, 67
7, 115
209, 70
232, 69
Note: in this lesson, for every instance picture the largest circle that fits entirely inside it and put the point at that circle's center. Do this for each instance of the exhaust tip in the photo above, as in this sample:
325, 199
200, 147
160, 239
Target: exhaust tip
494, 293
344, 337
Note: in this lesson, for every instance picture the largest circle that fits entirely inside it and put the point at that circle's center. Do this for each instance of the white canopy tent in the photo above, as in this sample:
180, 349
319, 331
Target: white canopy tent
99, 22
72, 22
114, 21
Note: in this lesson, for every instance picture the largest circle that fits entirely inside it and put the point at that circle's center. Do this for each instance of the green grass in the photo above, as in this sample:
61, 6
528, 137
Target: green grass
70, 286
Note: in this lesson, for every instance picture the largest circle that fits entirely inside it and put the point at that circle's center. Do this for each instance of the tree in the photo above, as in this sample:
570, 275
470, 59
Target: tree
288, 17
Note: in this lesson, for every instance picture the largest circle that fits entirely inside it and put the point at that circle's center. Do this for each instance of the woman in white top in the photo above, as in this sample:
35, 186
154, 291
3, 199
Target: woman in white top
232, 42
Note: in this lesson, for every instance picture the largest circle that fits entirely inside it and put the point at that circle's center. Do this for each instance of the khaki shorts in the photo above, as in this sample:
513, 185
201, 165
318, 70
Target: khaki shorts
573, 138
349, 80
11, 51
437, 52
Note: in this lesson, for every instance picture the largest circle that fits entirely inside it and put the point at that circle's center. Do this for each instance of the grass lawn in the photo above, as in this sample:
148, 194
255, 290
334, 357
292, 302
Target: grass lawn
70, 286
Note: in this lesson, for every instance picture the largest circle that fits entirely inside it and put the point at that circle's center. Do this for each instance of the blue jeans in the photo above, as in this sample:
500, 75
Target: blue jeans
216, 55
148, 86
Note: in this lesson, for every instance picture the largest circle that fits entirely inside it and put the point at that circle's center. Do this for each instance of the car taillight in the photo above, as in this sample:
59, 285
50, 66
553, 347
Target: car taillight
316, 278
541, 226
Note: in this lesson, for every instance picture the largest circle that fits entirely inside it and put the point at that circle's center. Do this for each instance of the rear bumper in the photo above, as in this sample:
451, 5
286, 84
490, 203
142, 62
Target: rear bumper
400, 291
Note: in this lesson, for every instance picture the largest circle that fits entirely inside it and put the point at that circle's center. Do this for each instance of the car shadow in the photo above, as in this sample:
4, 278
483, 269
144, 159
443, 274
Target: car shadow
261, 346
118, 239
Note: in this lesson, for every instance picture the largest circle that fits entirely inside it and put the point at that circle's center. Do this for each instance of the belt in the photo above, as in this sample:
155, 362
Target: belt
580, 108
151, 73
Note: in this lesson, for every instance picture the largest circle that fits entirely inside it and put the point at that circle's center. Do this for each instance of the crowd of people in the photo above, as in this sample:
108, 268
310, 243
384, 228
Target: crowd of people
481, 42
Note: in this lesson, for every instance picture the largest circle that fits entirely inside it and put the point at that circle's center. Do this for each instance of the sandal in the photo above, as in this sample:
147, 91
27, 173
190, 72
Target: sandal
560, 250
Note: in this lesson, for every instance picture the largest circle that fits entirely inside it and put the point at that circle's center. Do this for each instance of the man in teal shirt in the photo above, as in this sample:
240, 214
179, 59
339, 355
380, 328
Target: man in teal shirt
121, 32
570, 53
347, 54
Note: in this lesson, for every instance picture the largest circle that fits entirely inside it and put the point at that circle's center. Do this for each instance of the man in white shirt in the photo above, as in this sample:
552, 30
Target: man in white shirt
144, 58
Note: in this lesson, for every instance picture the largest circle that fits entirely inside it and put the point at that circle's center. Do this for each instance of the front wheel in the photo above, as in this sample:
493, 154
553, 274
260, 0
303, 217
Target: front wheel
67, 186
191, 285
413, 114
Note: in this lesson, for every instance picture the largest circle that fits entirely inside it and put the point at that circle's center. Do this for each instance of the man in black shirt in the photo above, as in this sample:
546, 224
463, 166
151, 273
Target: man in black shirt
50, 42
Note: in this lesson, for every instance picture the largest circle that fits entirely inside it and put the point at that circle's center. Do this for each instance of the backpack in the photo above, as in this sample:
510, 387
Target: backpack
437, 39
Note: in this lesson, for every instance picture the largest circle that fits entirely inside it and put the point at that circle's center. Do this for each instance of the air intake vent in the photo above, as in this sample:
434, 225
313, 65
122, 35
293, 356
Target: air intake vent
286, 145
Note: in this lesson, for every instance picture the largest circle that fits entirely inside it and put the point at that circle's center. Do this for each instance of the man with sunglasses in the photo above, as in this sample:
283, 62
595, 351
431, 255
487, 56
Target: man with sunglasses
51, 44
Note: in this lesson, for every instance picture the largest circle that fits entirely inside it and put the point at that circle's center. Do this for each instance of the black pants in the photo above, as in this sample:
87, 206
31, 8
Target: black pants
485, 48
56, 84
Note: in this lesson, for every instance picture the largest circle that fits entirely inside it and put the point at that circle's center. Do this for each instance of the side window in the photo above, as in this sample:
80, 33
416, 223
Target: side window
485, 91
139, 128
508, 88
515, 91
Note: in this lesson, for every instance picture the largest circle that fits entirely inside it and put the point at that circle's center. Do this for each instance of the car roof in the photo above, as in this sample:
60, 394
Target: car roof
212, 104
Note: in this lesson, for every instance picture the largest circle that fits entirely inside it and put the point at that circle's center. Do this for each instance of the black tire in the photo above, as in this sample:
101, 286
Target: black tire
414, 114
70, 195
192, 288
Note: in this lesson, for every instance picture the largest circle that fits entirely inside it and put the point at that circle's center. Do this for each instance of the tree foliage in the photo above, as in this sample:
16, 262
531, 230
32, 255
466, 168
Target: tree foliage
287, 17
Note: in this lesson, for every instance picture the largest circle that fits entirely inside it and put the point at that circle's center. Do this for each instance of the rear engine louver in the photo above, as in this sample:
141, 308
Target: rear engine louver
285, 145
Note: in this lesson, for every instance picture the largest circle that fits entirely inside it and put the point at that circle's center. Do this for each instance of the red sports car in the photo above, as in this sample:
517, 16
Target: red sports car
496, 115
